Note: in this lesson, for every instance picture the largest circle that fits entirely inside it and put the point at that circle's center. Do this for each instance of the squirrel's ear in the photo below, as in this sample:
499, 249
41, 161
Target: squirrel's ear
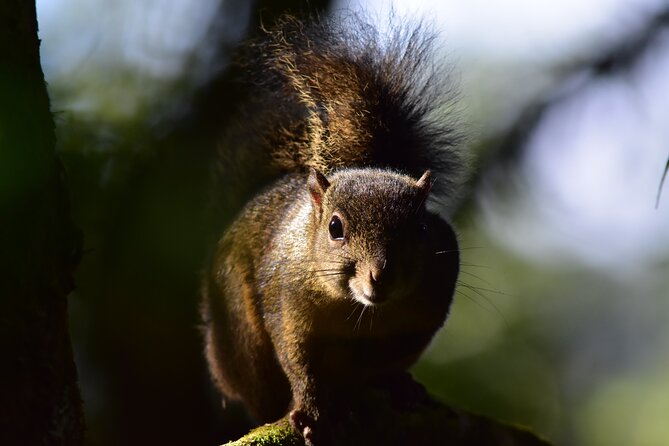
317, 184
425, 182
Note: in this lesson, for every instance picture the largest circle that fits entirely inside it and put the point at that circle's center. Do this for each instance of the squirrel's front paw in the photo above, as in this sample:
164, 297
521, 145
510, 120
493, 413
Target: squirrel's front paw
304, 424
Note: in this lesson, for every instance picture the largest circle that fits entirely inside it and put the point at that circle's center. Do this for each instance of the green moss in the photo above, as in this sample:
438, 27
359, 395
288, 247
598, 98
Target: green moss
278, 433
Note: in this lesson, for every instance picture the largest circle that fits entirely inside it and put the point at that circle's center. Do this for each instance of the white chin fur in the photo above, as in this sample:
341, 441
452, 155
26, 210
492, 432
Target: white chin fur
361, 298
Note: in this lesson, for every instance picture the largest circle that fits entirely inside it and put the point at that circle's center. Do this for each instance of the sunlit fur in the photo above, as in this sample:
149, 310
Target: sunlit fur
333, 93
293, 318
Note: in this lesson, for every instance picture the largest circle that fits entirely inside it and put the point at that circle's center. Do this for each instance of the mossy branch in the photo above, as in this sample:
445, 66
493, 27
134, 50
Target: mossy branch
377, 419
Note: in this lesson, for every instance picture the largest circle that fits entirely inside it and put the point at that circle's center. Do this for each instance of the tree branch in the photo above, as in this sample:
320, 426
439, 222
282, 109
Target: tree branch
377, 418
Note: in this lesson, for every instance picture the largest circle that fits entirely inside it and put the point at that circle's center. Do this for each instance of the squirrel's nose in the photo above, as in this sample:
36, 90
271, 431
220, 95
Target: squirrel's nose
376, 269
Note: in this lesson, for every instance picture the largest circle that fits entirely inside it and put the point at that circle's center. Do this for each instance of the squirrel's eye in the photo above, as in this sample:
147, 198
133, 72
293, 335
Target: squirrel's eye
422, 229
336, 228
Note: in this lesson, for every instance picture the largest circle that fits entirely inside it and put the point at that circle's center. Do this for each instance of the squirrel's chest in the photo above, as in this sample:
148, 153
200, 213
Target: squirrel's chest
357, 340
353, 321
365, 356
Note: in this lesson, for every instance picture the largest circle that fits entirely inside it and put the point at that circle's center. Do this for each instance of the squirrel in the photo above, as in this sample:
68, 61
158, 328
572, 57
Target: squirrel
336, 275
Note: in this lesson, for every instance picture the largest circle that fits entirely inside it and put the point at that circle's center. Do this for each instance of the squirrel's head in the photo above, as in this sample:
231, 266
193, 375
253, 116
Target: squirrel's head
375, 241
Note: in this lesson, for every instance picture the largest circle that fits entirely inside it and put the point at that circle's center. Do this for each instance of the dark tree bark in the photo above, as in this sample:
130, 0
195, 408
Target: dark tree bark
39, 400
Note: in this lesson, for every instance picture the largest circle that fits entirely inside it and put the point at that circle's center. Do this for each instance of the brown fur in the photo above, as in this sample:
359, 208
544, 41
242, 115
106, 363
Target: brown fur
335, 93
285, 324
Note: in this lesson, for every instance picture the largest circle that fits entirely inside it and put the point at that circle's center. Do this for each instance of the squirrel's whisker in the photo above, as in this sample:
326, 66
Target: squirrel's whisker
474, 265
484, 297
475, 276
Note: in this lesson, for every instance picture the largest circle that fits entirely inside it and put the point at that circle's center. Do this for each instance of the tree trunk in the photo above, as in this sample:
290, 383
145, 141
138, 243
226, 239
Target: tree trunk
39, 247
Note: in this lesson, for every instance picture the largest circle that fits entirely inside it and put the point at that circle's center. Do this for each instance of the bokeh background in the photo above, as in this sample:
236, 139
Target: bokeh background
561, 319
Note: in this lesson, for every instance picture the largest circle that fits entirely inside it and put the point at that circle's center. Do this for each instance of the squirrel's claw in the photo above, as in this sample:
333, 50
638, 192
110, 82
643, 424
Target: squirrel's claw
303, 423
308, 435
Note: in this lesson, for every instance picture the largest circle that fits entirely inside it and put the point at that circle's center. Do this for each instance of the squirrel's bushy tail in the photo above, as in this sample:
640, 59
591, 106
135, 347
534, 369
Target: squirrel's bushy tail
336, 92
